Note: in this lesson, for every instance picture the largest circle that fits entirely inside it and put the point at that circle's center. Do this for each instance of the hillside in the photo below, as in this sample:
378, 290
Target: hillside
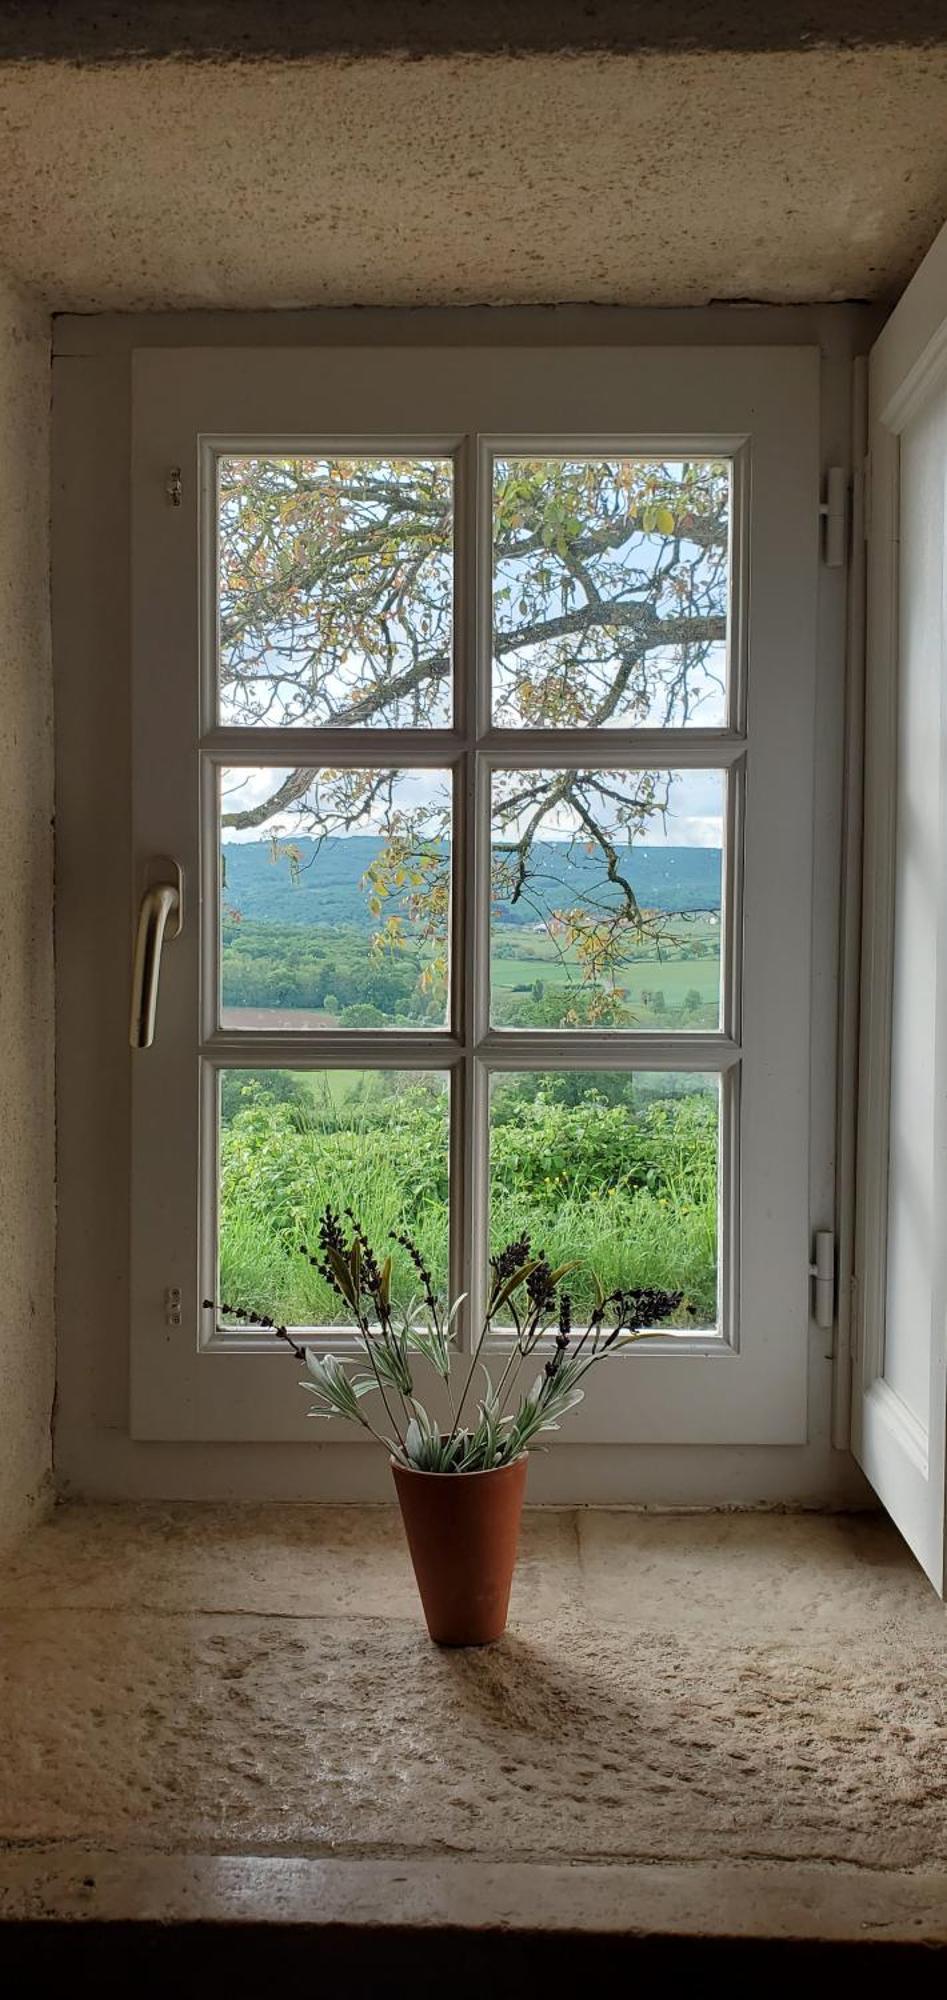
329, 886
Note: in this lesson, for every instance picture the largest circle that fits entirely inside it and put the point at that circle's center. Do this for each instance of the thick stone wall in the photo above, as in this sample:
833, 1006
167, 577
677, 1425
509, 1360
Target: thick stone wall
27, 1183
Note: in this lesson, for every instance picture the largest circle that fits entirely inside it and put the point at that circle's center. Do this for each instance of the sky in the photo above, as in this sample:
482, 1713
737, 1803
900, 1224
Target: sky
694, 818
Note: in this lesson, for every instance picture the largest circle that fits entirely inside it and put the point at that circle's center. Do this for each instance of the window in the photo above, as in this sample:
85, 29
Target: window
475, 704
604, 888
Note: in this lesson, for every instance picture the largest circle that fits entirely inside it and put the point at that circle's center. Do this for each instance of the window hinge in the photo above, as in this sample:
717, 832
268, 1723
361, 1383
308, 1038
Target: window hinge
174, 486
833, 511
822, 1272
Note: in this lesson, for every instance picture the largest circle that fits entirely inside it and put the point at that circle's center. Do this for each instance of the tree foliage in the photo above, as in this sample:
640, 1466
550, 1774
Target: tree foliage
609, 610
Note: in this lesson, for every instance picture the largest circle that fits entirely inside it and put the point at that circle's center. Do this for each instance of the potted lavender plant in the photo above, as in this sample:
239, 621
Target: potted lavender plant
460, 1479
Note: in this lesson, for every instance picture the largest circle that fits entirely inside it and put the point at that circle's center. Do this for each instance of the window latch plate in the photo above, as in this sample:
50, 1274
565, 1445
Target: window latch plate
822, 1273
833, 511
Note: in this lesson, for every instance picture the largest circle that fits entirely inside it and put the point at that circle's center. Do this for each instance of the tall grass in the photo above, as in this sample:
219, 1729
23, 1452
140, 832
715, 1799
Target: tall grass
631, 1193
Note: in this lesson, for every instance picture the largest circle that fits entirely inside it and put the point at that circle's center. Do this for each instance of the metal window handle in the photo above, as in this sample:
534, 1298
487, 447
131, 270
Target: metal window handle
162, 905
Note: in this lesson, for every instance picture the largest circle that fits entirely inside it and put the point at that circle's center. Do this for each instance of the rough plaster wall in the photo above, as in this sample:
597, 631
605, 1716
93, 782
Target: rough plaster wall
619, 180
26, 966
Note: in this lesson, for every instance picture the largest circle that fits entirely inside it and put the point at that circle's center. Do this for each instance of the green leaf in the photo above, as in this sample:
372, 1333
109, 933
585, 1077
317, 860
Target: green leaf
452, 1315
513, 1284
562, 1270
340, 1270
332, 1385
391, 1364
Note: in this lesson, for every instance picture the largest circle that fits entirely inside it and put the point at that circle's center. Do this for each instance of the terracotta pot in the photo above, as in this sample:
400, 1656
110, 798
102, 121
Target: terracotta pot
462, 1529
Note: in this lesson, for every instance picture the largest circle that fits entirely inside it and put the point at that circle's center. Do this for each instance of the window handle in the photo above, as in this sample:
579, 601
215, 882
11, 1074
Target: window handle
161, 905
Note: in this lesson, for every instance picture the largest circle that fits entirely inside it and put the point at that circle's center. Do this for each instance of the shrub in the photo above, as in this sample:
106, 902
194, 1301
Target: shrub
361, 1015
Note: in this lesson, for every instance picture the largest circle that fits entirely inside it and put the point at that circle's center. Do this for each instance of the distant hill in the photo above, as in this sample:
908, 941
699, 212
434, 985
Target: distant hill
329, 886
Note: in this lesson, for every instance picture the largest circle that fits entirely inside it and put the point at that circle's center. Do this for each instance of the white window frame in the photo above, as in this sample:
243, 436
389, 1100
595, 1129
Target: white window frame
746, 1382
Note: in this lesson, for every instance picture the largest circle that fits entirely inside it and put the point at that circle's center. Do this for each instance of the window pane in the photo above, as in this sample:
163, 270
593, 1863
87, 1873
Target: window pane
335, 590
291, 1142
606, 898
610, 592
335, 898
617, 1170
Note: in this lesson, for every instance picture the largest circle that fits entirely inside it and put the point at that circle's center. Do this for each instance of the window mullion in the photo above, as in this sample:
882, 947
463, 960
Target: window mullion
470, 1222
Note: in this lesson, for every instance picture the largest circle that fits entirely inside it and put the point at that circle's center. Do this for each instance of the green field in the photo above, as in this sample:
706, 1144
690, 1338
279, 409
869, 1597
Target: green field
676, 987
685, 977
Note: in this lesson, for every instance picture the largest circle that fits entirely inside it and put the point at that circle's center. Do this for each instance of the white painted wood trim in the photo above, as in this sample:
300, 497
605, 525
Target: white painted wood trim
911, 348
850, 922
769, 397
904, 1457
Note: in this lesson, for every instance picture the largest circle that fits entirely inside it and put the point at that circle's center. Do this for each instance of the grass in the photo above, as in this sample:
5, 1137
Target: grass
631, 1191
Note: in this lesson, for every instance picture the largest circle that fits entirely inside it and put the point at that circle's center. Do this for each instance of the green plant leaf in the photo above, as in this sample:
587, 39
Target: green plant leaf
513, 1284
562, 1270
341, 1271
